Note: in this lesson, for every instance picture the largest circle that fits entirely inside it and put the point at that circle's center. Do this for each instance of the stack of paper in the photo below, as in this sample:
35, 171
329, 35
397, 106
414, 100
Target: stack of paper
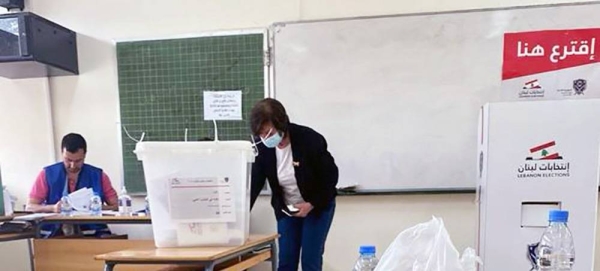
32, 217
110, 213
80, 199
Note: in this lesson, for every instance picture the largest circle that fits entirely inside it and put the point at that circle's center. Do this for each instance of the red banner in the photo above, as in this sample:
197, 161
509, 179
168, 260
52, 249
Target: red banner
528, 53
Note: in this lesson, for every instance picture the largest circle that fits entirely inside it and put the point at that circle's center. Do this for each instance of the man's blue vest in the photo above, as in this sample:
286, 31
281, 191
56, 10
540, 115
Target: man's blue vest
56, 178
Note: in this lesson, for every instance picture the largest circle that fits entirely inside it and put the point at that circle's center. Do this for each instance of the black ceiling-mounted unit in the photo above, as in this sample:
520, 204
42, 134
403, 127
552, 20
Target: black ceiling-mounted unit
31, 46
13, 4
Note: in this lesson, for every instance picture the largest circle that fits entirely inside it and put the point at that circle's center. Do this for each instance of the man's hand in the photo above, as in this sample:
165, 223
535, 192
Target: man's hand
56, 207
304, 209
36, 206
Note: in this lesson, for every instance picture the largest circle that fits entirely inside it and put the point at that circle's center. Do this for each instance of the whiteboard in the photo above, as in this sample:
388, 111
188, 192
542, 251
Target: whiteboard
398, 97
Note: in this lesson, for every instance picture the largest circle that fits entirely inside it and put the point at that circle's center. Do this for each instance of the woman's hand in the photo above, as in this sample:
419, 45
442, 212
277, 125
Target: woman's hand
304, 209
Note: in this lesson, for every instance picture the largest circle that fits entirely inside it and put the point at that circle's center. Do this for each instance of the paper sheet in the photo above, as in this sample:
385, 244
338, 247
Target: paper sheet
33, 216
201, 200
80, 199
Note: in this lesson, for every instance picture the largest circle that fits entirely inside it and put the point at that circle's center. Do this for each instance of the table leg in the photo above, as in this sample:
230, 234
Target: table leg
109, 266
210, 267
38, 229
274, 256
30, 250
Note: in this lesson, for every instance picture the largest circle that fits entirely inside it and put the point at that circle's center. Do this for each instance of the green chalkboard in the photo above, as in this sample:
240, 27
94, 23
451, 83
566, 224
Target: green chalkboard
161, 86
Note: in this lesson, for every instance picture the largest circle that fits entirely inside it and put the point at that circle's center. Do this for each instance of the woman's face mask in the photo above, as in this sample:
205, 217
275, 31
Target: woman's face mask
273, 140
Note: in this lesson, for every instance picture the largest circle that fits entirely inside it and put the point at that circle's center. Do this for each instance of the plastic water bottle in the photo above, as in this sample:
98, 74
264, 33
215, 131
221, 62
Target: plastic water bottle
367, 260
96, 205
147, 207
66, 210
65, 206
125, 208
556, 251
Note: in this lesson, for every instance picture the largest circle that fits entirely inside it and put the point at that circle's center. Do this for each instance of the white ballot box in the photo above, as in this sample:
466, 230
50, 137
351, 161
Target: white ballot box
534, 157
198, 191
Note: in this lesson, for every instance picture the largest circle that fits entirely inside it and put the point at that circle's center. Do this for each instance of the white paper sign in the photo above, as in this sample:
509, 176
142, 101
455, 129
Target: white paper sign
223, 105
201, 200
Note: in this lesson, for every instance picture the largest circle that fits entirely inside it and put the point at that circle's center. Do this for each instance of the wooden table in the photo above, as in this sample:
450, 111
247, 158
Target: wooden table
78, 254
108, 219
6, 218
257, 249
58, 219
5, 237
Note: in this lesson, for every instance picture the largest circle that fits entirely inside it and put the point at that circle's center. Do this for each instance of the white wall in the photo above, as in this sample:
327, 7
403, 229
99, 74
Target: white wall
88, 104
378, 219
26, 142
14, 256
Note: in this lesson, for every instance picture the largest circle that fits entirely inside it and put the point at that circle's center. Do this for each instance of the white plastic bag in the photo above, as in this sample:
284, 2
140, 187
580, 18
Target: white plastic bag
426, 247
9, 201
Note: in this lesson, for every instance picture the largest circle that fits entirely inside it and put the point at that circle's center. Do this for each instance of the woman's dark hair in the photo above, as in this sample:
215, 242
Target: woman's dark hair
268, 110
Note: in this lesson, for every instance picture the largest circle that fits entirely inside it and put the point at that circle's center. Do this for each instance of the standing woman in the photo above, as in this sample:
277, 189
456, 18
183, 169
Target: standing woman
302, 174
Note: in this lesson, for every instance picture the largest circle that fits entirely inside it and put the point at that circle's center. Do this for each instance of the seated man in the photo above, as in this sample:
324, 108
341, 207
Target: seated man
51, 184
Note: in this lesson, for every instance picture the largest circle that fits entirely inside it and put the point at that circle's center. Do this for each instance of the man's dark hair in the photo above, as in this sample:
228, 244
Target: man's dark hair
268, 110
73, 143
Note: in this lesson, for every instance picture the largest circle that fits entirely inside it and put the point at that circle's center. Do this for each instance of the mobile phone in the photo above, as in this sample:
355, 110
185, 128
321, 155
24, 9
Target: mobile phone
291, 210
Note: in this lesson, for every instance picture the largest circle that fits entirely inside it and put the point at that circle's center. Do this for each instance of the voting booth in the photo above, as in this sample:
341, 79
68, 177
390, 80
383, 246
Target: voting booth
534, 157
198, 191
